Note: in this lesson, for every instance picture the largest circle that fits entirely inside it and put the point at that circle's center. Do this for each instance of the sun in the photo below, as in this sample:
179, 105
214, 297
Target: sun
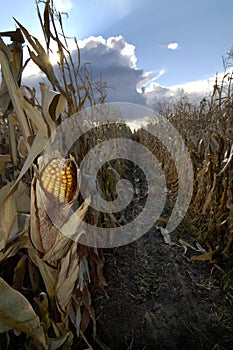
54, 58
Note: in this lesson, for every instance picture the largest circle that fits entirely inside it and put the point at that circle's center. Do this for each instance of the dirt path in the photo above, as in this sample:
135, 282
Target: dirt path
160, 299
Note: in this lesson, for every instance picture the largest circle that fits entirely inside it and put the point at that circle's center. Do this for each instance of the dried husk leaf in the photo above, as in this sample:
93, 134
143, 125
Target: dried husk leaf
34, 224
67, 277
60, 248
48, 273
64, 239
16, 312
43, 233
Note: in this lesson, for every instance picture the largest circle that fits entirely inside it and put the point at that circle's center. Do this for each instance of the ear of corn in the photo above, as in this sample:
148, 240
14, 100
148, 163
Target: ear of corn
59, 179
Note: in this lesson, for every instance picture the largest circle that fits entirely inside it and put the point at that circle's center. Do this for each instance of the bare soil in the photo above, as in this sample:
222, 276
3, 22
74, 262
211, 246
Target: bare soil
159, 298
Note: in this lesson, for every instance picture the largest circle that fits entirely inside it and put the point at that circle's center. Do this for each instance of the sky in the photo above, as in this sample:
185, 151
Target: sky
149, 46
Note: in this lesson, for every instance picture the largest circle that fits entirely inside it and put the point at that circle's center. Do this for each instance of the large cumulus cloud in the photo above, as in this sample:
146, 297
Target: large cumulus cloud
113, 61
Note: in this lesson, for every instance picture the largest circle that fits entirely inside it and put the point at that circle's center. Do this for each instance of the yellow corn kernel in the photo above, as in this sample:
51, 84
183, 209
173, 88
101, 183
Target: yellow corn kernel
59, 179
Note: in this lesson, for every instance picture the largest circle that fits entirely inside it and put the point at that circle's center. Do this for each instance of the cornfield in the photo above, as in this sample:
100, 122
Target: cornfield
51, 278
208, 134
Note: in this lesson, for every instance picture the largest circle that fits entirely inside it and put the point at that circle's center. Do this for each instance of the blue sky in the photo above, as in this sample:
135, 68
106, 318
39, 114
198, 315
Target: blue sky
199, 33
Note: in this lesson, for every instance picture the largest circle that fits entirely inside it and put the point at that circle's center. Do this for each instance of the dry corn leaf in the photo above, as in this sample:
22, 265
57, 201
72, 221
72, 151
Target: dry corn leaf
59, 249
60, 342
46, 24
17, 313
96, 263
4, 191
203, 257
14, 247
8, 214
18, 237
34, 224
13, 142
72, 227
23, 199
83, 275
4, 93
19, 272
42, 58
37, 147
67, 278
4, 160
88, 312
166, 236
22, 148
75, 314
17, 64
36, 118
70, 231
53, 103
48, 273
4, 327
229, 234
227, 160
13, 92
20, 226
209, 196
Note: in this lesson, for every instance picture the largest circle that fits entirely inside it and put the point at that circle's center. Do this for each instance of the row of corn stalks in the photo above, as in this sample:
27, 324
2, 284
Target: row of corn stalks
208, 134
49, 292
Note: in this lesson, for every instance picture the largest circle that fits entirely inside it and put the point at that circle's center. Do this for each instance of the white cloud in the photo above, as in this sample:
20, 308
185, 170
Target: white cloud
196, 90
113, 48
201, 86
114, 61
148, 82
63, 5
173, 46
204, 86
